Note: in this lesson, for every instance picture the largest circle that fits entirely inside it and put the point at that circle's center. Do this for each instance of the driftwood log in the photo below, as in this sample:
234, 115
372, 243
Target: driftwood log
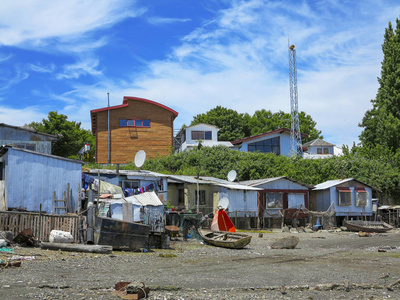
102, 249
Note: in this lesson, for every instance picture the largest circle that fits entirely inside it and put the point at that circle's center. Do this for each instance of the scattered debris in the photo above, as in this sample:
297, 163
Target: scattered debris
364, 234
102, 249
131, 290
26, 238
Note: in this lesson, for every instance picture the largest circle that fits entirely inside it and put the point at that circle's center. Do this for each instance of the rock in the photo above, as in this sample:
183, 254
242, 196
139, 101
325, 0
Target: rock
289, 242
364, 234
58, 236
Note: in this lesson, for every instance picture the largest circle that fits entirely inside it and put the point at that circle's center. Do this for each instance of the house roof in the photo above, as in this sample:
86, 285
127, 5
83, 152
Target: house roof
280, 130
258, 182
125, 103
30, 129
4, 149
128, 173
335, 182
145, 199
318, 143
210, 181
186, 127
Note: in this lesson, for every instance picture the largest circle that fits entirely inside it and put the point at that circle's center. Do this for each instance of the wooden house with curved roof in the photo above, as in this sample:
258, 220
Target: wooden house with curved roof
136, 124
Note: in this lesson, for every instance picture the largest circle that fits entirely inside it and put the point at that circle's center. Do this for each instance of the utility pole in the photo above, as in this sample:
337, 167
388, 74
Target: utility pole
295, 135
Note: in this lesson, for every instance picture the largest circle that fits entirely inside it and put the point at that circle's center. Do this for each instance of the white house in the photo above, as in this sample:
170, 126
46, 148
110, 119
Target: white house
320, 149
189, 137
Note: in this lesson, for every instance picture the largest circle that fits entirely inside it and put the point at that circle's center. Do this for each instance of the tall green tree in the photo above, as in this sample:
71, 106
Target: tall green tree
382, 122
233, 125
264, 121
71, 136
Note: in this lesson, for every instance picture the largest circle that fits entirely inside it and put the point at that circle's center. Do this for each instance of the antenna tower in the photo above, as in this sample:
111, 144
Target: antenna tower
295, 135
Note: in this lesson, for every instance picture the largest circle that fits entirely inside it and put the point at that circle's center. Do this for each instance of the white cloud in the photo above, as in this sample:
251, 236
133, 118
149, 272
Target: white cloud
83, 67
42, 69
32, 22
163, 21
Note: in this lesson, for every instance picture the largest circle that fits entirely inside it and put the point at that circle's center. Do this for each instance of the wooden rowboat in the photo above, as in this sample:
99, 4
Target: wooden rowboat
233, 240
367, 226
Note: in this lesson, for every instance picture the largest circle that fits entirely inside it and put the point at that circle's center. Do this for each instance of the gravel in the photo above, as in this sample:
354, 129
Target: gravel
318, 268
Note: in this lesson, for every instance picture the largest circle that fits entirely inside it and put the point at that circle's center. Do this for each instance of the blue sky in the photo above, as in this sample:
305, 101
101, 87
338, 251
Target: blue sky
66, 56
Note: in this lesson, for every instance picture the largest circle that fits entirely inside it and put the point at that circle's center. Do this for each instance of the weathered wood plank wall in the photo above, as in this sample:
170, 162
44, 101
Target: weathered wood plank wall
40, 224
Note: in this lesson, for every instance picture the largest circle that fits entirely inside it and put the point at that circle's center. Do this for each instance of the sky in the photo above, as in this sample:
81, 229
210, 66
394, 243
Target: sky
77, 55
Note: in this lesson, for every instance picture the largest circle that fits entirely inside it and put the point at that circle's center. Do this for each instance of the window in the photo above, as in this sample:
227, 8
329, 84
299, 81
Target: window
274, 200
344, 196
202, 196
201, 135
361, 197
31, 147
326, 151
319, 150
130, 184
134, 123
266, 146
296, 201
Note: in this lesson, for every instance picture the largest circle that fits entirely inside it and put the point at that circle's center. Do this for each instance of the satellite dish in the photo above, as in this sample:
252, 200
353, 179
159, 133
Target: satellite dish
232, 175
140, 158
223, 203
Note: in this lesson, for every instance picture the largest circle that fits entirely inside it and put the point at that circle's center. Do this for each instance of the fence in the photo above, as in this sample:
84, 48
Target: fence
40, 224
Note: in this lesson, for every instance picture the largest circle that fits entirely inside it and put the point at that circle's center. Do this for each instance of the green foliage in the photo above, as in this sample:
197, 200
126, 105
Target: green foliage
382, 122
71, 136
234, 125
381, 172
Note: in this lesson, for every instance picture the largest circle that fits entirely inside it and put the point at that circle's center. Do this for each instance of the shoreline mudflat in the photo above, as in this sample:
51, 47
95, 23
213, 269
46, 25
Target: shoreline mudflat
324, 265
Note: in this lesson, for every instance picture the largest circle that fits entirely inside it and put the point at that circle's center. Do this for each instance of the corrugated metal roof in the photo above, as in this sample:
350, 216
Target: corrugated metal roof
335, 182
145, 199
257, 182
211, 181
136, 173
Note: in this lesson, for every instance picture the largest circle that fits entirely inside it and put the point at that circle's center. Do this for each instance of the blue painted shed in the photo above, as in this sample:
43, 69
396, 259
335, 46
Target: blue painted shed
350, 198
29, 178
26, 138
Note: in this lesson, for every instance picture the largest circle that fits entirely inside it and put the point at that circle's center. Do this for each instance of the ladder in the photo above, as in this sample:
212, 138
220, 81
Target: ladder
60, 205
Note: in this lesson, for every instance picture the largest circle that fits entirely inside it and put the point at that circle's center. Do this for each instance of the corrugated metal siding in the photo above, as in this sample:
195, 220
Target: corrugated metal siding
32, 179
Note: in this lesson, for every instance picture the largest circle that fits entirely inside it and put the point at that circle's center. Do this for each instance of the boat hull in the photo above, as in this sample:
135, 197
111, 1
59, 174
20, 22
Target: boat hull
367, 226
225, 239
121, 235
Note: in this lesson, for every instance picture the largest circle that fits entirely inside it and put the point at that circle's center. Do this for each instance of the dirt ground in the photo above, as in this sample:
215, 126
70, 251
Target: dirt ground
318, 268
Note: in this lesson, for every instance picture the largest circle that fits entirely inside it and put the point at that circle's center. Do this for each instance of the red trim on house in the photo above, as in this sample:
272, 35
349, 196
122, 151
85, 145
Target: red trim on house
343, 189
280, 130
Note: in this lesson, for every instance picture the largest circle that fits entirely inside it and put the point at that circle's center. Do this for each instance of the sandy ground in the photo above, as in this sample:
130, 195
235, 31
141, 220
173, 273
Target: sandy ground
316, 269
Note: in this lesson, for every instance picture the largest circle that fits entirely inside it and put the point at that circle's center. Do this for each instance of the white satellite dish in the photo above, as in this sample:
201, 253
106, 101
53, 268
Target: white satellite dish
140, 158
223, 203
232, 175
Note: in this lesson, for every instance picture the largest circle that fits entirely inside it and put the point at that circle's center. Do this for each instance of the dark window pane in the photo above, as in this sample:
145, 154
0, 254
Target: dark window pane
139, 123
122, 123
207, 135
146, 123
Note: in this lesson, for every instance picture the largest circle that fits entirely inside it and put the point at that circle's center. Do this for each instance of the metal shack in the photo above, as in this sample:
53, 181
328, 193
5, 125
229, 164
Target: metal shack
28, 179
350, 197
280, 196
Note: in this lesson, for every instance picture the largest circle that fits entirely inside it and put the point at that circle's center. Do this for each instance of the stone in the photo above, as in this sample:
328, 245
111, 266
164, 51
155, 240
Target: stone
289, 242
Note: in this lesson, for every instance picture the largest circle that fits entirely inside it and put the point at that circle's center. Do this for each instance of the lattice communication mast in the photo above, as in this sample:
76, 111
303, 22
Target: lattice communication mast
295, 135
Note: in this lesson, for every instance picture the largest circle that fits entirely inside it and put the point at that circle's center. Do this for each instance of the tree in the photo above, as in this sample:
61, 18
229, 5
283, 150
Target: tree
71, 136
382, 122
264, 121
232, 125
